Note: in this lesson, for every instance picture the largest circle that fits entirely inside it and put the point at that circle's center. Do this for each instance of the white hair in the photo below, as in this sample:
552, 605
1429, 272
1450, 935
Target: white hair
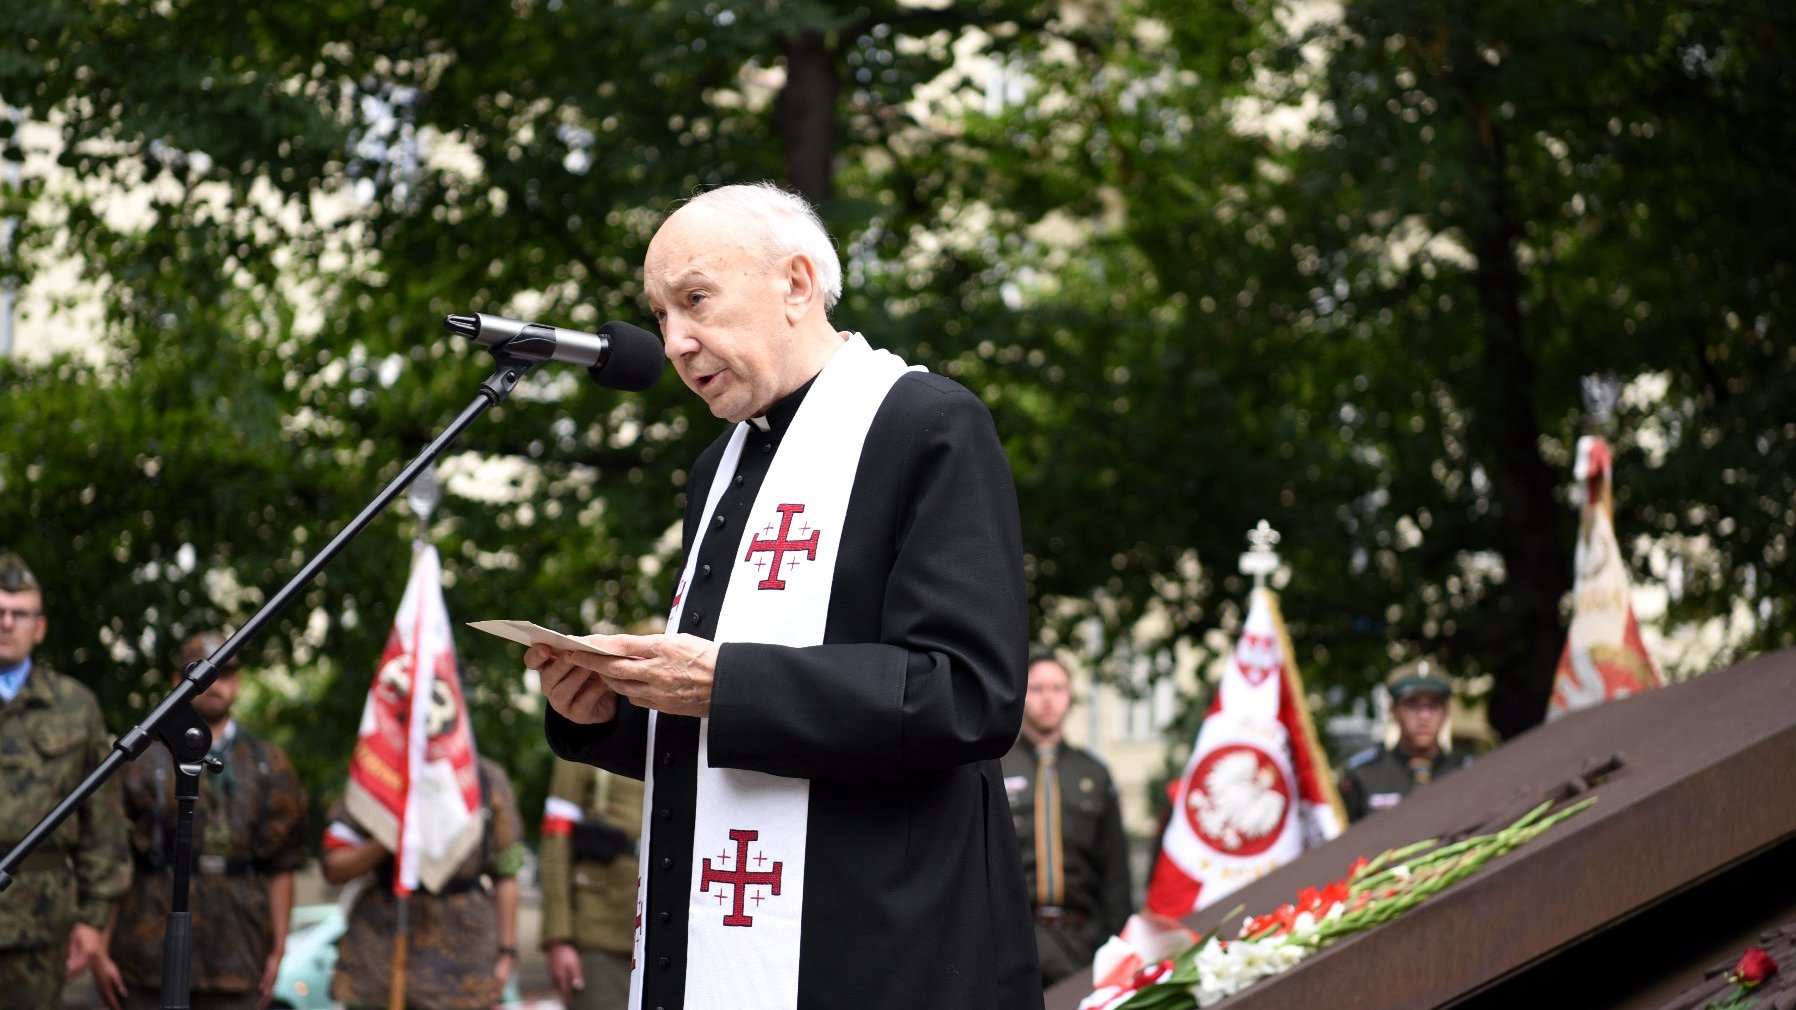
792, 226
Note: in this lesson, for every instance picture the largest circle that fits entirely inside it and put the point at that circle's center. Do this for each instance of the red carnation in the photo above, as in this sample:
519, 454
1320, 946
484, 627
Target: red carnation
1755, 966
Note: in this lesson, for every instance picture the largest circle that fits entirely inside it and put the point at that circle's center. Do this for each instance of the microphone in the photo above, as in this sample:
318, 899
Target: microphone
619, 356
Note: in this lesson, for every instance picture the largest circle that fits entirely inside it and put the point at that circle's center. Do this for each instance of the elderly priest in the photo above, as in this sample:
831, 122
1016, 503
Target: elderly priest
825, 824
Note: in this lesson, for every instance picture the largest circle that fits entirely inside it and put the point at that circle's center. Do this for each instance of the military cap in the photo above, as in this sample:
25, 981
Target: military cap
1416, 676
15, 575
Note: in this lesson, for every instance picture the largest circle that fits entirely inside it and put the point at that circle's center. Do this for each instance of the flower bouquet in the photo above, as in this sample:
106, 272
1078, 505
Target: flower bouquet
1158, 964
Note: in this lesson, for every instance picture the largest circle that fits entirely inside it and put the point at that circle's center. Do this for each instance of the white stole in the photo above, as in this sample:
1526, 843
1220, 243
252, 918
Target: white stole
746, 897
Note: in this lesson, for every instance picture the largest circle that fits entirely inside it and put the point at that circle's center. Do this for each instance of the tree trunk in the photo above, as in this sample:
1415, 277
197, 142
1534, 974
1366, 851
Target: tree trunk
1535, 555
805, 112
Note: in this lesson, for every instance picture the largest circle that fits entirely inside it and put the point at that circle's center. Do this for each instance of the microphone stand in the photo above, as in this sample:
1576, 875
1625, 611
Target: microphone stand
179, 725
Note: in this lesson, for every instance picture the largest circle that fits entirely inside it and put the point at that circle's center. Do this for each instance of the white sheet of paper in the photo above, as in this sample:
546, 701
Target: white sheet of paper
527, 633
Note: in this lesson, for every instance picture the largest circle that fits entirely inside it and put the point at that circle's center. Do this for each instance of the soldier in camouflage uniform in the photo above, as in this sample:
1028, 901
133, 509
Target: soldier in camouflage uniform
249, 837
1069, 825
461, 944
590, 826
51, 738
1380, 777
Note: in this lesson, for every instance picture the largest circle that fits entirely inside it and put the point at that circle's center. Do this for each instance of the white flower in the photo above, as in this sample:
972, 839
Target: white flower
1224, 971
1288, 954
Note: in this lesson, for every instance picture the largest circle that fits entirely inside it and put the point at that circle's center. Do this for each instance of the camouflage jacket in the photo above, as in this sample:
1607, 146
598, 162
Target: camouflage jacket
51, 738
452, 940
249, 826
588, 866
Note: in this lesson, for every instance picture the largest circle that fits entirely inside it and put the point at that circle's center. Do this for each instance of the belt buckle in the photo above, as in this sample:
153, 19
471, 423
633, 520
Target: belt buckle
1059, 916
212, 863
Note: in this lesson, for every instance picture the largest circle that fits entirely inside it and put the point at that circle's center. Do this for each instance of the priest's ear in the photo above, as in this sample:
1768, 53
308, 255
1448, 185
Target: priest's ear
802, 290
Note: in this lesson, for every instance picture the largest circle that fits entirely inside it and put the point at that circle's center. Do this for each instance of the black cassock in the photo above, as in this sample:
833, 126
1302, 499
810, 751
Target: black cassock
914, 892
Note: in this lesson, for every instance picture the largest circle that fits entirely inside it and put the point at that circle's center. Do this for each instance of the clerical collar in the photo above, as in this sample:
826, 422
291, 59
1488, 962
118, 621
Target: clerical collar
779, 416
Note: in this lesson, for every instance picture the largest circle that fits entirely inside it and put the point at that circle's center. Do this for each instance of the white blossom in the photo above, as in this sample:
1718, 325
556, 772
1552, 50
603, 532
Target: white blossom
1224, 971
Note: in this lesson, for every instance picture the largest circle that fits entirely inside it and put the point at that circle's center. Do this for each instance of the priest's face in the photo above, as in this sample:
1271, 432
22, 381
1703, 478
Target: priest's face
1050, 695
720, 294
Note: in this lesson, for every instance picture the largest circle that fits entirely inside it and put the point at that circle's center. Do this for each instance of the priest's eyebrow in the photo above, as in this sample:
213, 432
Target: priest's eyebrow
689, 278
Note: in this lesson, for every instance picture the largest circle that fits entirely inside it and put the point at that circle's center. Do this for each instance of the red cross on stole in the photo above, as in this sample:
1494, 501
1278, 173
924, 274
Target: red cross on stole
740, 877
781, 545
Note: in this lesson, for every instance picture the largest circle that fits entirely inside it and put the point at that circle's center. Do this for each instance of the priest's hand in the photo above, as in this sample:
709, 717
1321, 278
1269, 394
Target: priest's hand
667, 673
573, 689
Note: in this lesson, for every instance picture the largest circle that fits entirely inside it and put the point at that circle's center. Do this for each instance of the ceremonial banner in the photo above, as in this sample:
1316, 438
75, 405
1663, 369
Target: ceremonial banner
1604, 657
412, 779
1258, 789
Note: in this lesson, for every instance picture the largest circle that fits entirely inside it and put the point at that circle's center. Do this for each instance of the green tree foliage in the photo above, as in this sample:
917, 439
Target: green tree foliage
276, 208
1340, 269
1345, 268
1571, 181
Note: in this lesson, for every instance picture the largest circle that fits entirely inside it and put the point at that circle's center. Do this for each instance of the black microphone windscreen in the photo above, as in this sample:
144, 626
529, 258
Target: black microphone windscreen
634, 359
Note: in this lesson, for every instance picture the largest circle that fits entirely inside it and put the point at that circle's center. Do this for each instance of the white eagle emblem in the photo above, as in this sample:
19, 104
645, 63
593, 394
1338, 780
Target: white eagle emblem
1240, 800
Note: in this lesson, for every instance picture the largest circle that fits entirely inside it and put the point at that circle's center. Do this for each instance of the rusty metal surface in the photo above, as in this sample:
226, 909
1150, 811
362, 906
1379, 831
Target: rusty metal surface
1706, 769
1644, 962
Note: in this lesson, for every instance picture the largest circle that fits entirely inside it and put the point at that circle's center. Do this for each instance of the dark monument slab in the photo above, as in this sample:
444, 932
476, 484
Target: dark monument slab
1688, 856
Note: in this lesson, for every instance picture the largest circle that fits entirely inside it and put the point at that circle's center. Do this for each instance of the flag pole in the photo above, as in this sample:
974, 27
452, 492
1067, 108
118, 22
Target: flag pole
422, 496
396, 988
1260, 561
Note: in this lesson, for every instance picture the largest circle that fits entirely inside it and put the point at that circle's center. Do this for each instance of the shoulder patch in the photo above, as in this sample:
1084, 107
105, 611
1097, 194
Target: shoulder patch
1365, 757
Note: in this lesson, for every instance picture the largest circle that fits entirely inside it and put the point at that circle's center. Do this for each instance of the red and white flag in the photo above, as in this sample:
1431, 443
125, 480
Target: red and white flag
1258, 789
413, 781
1604, 657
